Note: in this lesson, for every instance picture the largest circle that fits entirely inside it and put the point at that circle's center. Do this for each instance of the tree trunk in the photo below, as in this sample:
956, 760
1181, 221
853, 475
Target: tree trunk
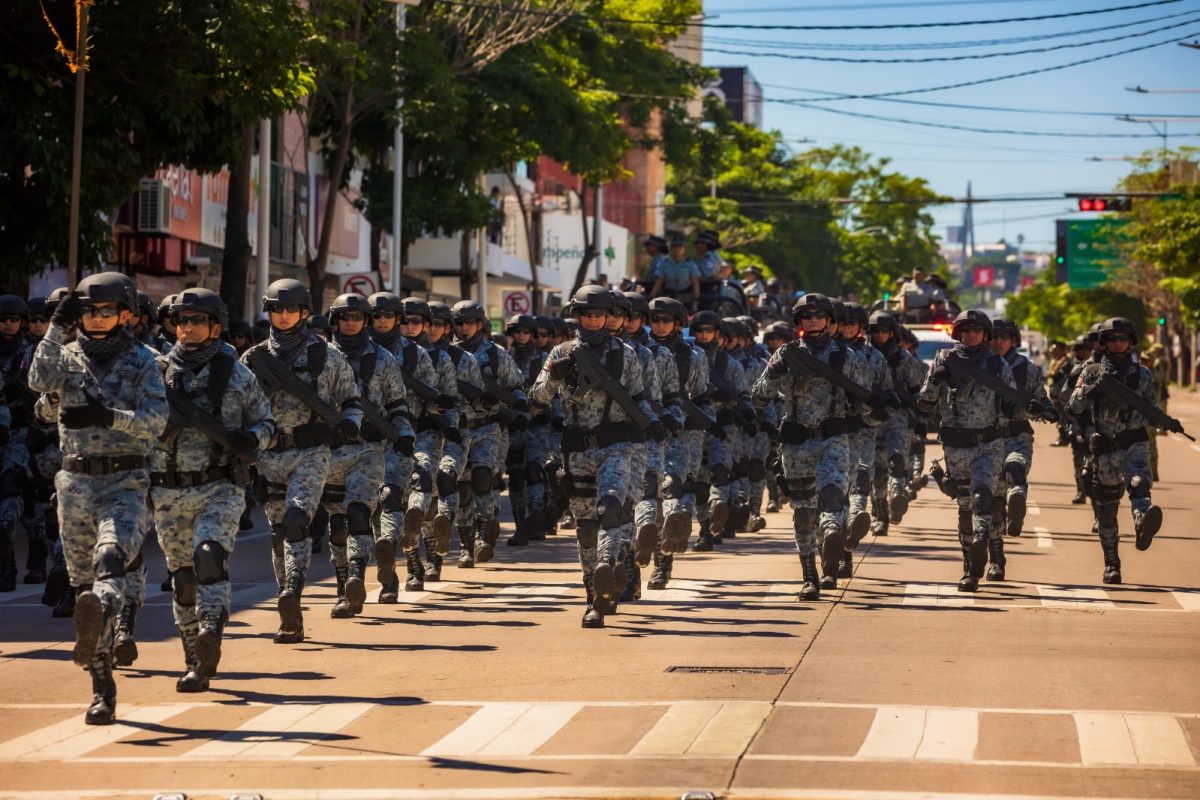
464, 265
529, 243
589, 247
236, 259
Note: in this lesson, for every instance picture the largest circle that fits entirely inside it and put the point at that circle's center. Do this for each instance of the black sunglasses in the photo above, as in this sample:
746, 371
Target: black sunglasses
280, 308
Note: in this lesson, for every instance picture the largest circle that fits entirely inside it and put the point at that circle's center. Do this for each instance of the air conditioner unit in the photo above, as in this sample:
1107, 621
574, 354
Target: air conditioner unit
154, 206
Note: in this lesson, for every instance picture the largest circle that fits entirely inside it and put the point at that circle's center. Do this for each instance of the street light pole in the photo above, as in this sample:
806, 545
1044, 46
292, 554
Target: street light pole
77, 149
263, 246
398, 158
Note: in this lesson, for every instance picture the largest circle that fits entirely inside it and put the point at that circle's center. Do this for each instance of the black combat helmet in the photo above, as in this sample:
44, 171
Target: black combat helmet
348, 302
856, 314
639, 304
386, 301
439, 310
12, 305
146, 305
203, 300
593, 297
707, 318
320, 322
812, 302
882, 321
1005, 327
972, 316
669, 305
468, 310
39, 307
109, 287
287, 291
520, 322
415, 307
1115, 325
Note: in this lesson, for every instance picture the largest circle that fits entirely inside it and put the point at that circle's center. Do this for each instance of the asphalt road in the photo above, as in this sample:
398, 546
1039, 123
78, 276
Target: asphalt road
894, 686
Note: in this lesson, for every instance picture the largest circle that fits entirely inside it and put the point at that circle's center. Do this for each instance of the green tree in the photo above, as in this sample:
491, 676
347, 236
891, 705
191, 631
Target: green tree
1060, 312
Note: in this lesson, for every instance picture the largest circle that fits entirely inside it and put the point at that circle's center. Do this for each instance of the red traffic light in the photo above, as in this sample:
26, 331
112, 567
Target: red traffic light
1105, 204
1085, 204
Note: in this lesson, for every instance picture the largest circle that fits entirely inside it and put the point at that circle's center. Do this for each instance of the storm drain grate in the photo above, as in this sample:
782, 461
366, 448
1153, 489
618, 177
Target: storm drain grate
744, 670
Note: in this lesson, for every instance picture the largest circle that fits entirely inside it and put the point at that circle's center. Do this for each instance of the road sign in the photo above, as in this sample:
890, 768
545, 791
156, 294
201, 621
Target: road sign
361, 283
1093, 246
985, 275
517, 303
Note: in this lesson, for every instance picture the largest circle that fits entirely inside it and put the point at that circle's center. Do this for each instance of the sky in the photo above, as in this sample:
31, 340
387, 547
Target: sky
1017, 163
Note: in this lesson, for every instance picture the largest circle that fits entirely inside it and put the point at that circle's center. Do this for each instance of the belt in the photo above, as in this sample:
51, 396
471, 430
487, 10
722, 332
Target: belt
791, 432
481, 422
102, 465
967, 437
1100, 443
1018, 427
185, 480
854, 424
312, 434
576, 439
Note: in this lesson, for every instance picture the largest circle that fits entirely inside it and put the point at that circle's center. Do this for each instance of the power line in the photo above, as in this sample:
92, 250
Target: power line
940, 59
672, 23
899, 46
868, 6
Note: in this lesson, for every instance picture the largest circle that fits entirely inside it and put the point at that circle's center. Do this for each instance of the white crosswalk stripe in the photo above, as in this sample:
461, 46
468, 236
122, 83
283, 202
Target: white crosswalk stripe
1044, 539
1073, 597
71, 738
935, 594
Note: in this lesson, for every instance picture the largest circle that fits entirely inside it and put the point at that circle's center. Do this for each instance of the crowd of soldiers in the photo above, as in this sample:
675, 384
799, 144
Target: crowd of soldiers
391, 427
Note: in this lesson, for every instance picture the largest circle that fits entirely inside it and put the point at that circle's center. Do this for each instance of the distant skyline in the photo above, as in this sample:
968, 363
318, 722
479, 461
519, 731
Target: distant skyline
1033, 161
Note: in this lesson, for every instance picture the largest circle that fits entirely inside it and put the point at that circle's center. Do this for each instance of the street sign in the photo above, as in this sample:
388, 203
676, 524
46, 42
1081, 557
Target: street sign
1093, 246
517, 303
361, 283
985, 275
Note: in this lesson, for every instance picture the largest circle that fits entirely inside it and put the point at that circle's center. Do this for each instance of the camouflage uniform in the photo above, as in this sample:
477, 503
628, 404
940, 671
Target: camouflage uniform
973, 419
198, 499
1018, 451
751, 467
453, 463
729, 396
894, 441
528, 361
292, 471
15, 419
863, 435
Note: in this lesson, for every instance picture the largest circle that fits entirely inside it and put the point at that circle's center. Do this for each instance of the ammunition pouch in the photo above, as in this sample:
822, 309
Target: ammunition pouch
792, 432
311, 434
1099, 444
576, 439
1018, 427
967, 437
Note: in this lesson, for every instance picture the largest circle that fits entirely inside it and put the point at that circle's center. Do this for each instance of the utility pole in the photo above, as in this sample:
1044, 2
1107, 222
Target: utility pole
262, 249
77, 148
398, 159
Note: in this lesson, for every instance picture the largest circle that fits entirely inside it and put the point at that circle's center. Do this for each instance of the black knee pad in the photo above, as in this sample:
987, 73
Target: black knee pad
756, 469
803, 519
109, 561
534, 473
673, 487
649, 486
516, 479
801, 490
831, 498
1108, 493
391, 498
1106, 514
481, 480
294, 524
587, 531
211, 563
339, 530
981, 501
1139, 486
1014, 473
358, 519
862, 481
447, 484
720, 475
422, 480
136, 564
896, 465
610, 511
183, 586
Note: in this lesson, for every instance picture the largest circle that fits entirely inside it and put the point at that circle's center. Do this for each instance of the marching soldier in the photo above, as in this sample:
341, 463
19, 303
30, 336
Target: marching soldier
220, 418
813, 435
302, 377
528, 359
1119, 441
1060, 390
15, 419
112, 408
889, 498
598, 441
973, 419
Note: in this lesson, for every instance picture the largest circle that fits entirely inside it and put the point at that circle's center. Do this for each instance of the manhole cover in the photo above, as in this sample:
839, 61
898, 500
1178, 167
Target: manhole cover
746, 670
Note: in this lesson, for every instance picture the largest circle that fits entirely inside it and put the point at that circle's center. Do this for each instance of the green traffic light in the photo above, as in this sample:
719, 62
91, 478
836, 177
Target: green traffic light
886, 297
1060, 260
1162, 320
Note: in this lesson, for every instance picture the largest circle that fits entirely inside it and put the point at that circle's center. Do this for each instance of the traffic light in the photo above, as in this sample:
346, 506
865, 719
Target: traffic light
1105, 203
1161, 320
1060, 250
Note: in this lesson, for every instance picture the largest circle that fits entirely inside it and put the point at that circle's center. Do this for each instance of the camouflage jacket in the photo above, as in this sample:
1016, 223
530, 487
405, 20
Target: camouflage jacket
591, 406
414, 360
967, 405
810, 400
1107, 416
664, 371
335, 384
1029, 379
881, 373
384, 386
132, 386
497, 364
466, 371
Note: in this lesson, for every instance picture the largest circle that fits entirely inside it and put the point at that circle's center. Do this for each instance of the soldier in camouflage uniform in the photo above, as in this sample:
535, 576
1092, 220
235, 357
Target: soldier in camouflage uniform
467, 380
291, 472
485, 437
1009, 511
973, 420
543, 450
745, 433
813, 437
1078, 425
598, 443
15, 419
528, 359
112, 408
889, 500
197, 483
1118, 443
729, 396
355, 485
776, 335
753, 479
683, 451
863, 430
435, 422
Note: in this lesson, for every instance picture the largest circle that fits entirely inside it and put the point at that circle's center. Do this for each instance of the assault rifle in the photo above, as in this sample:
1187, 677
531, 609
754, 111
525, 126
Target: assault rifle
802, 362
184, 411
593, 373
1122, 395
966, 371
429, 396
277, 377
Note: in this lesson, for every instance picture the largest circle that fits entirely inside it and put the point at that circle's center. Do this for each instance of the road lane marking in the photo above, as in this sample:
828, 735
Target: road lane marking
1073, 597
531, 730
532, 592
949, 735
1195, 447
895, 734
1043, 537
1159, 740
676, 730
325, 721
935, 594
1104, 739
262, 728
1188, 601
72, 738
729, 732
480, 728
679, 590
1032, 509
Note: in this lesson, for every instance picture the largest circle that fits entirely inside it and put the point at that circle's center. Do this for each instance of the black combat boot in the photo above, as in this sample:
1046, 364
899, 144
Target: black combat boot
208, 644
995, 570
898, 507
193, 679
1014, 510
356, 585
593, 617
879, 525
90, 622
604, 586
846, 567
443, 530
341, 607
857, 530
520, 537
291, 617
718, 517
466, 553
677, 528
968, 582
535, 527
65, 607
644, 544
811, 588
35, 562
704, 542
8, 562
633, 580
484, 549
1112, 562
125, 649
415, 582
58, 586
433, 570
831, 558
103, 710
1145, 525
385, 569
661, 573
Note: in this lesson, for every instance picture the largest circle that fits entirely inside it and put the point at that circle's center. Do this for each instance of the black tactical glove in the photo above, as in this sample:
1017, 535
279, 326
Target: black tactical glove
68, 311
939, 374
521, 405
878, 402
670, 423
777, 368
489, 400
446, 401
657, 432
92, 414
404, 445
345, 431
453, 435
244, 443
519, 423
561, 369
716, 430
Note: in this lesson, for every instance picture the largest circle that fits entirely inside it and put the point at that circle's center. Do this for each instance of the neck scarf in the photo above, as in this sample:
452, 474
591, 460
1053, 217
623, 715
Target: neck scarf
184, 360
105, 349
286, 345
386, 340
